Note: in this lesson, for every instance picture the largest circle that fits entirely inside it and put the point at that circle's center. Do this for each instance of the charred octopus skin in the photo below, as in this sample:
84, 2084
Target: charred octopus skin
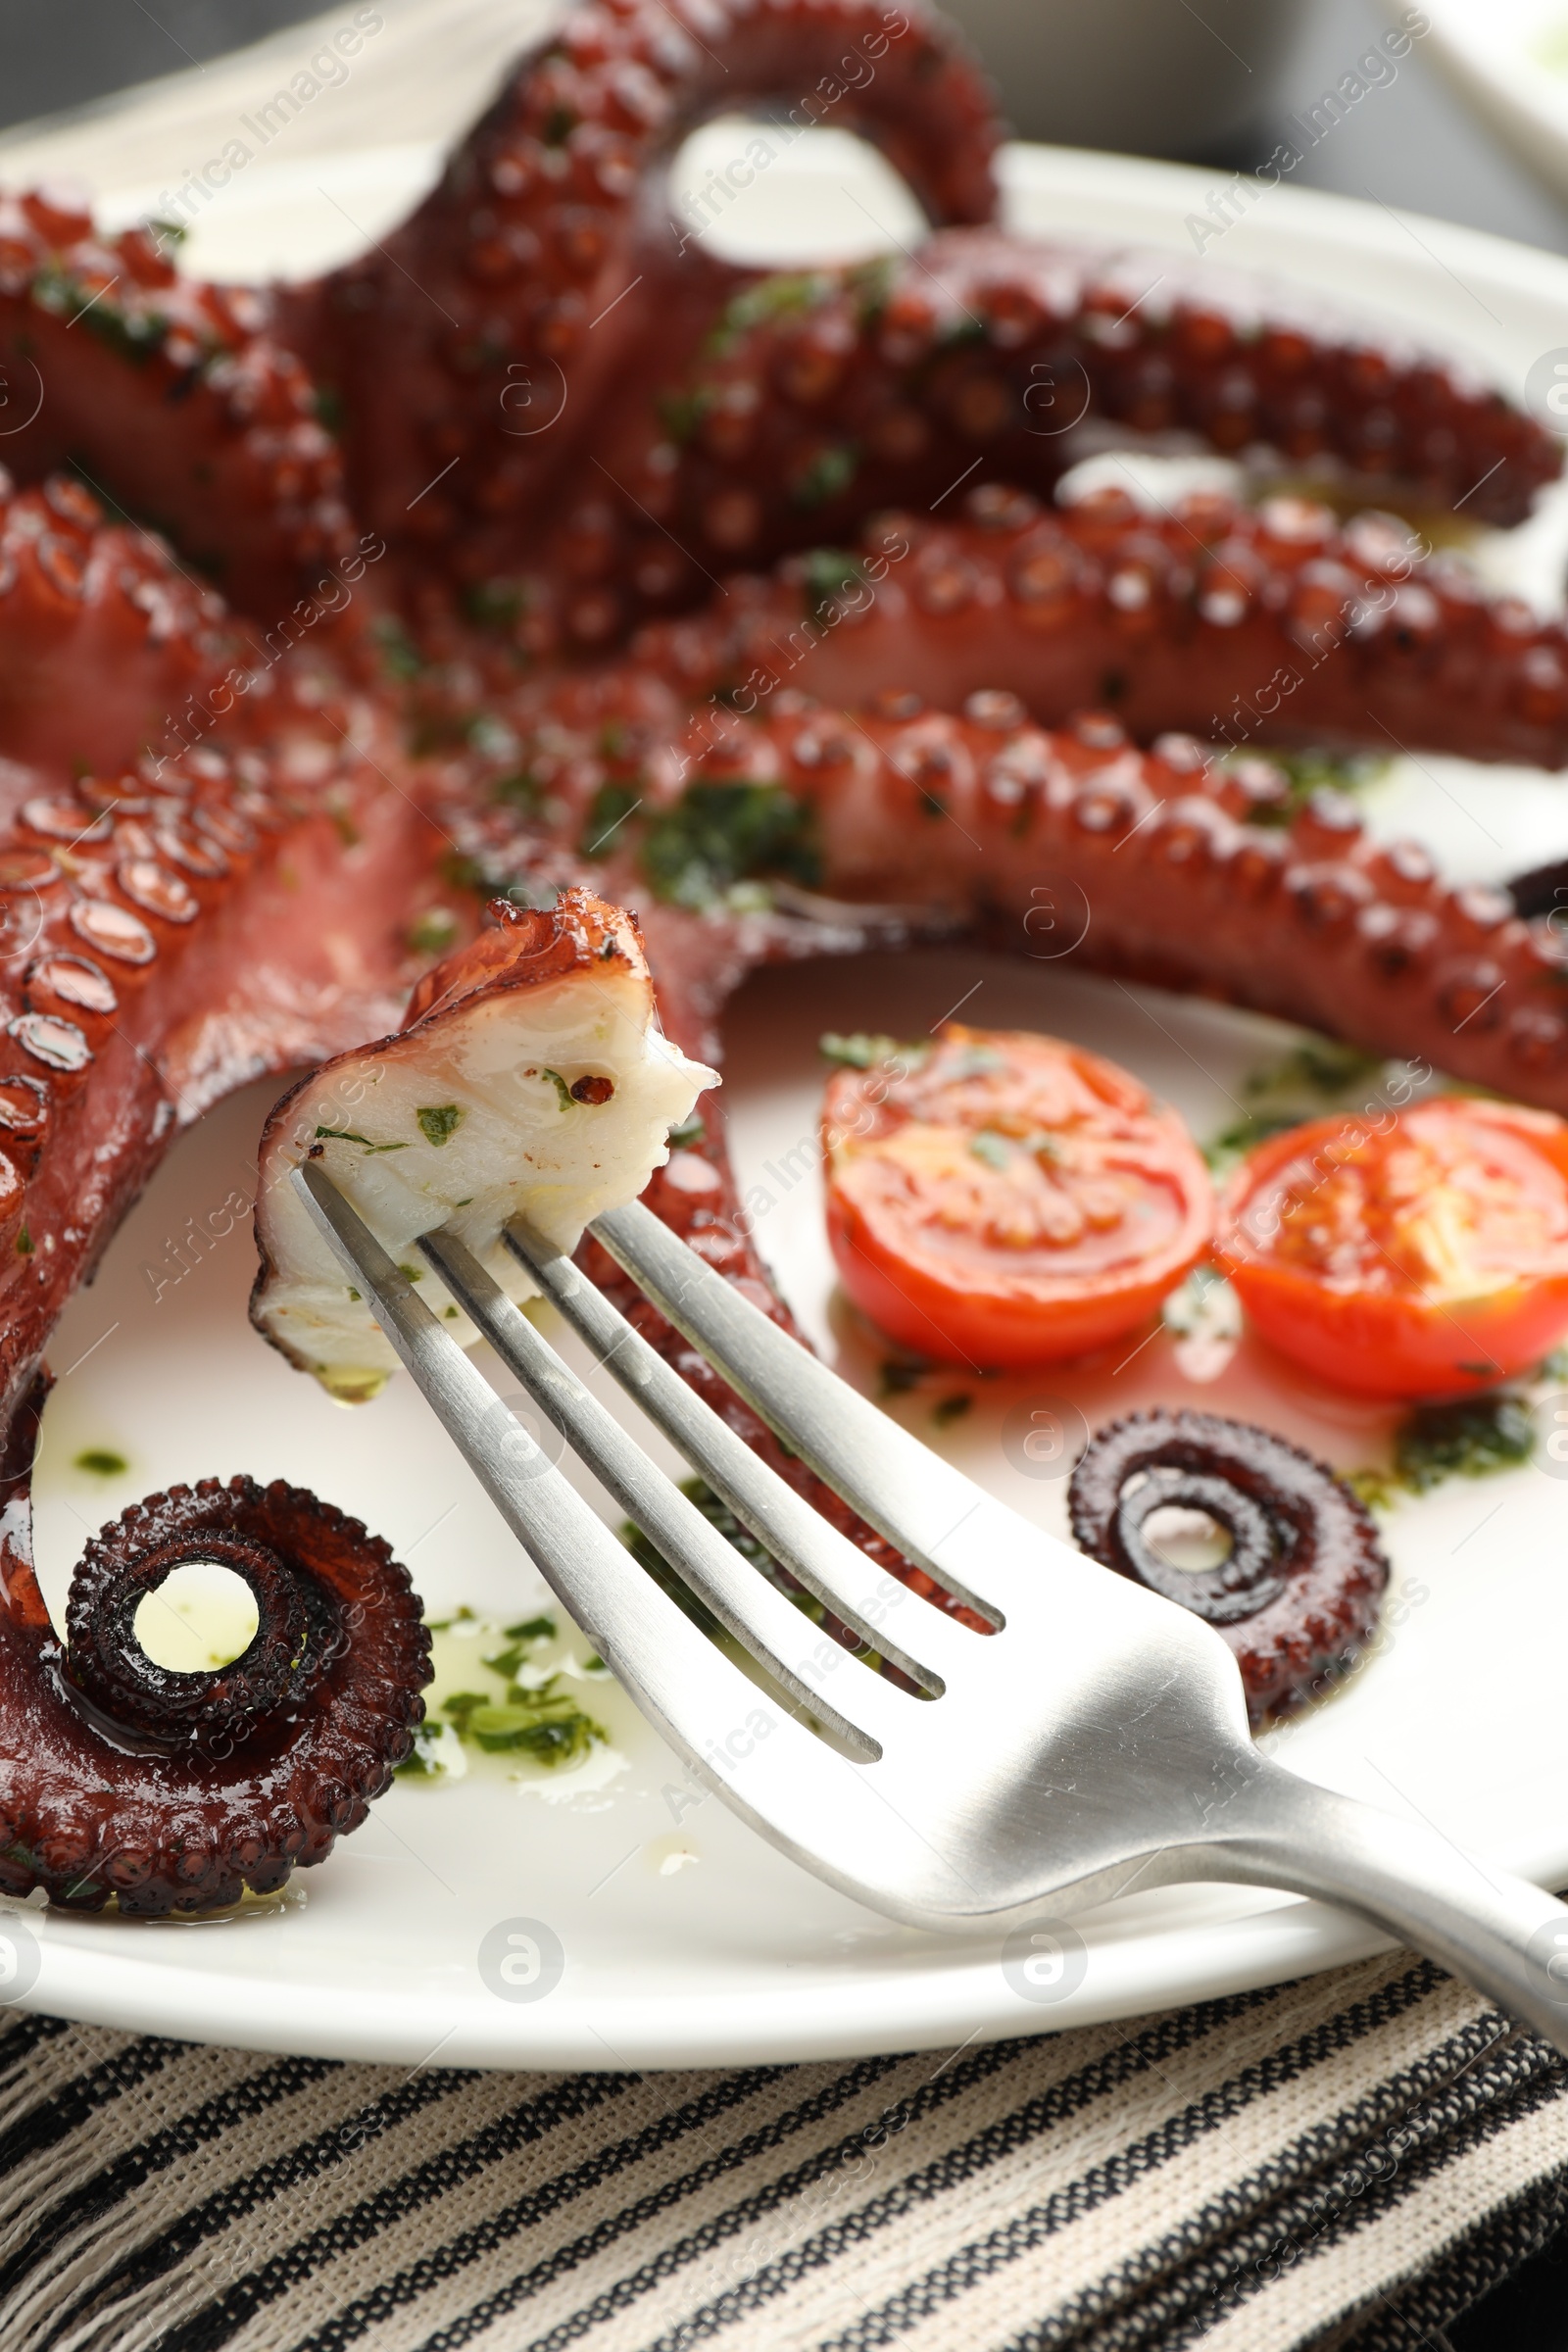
1298, 1596
174, 1791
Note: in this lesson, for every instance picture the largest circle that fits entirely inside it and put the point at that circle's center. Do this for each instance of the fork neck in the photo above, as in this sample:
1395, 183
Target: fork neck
1497, 1932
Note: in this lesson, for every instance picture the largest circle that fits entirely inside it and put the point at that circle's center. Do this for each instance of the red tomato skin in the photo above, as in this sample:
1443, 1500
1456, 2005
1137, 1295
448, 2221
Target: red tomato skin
978, 1313
980, 1330
1380, 1346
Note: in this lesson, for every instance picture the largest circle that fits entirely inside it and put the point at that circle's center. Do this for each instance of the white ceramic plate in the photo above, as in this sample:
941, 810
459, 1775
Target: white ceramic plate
685, 1939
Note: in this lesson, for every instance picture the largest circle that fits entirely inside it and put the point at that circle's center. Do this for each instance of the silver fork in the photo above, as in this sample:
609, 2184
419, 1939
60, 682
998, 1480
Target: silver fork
1094, 1740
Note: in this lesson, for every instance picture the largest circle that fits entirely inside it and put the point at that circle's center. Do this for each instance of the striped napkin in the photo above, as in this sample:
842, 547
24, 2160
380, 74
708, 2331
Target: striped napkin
1349, 2162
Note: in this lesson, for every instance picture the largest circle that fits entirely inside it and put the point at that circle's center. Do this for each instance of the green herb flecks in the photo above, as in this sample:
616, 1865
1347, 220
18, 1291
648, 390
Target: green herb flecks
1314, 1077
861, 1051
534, 1717
690, 1131
134, 335
496, 604
1471, 1436
829, 573
347, 1134
100, 1462
682, 412
432, 932
827, 476
783, 295
400, 655
439, 1123
994, 1150
563, 1090
949, 1409
719, 1515
1309, 771
718, 835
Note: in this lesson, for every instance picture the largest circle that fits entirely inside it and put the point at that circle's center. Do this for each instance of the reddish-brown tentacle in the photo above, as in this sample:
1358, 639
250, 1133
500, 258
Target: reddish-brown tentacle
210, 848
169, 396
1272, 623
177, 1793
822, 397
545, 265
81, 599
1298, 1600
1161, 863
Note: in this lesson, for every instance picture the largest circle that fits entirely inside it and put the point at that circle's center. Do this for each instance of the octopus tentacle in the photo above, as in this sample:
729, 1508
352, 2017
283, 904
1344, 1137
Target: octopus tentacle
1166, 864
80, 597
172, 920
822, 397
171, 396
1271, 623
1298, 1600
177, 1792
544, 266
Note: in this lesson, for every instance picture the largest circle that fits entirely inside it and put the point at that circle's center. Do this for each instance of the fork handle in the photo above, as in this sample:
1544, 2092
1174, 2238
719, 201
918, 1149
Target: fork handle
1501, 1934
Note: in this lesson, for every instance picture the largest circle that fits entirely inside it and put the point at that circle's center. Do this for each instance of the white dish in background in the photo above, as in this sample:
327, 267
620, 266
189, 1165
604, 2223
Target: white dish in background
686, 1940
1511, 60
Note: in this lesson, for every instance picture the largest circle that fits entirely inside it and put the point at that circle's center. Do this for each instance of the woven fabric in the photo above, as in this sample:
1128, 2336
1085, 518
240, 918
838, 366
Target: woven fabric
1346, 2161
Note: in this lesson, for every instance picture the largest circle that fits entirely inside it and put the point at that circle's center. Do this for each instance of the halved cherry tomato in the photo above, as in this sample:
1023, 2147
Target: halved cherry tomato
1006, 1199
1424, 1254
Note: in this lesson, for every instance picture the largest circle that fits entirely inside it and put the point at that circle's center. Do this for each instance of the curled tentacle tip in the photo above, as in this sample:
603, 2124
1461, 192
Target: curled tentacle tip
175, 1792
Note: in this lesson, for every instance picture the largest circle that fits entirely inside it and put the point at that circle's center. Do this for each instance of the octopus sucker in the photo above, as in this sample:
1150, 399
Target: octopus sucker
471, 493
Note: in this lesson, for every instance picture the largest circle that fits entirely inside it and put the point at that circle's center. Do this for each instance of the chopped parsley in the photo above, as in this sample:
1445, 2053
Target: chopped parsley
433, 932
830, 472
993, 1148
861, 1051
346, 1134
720, 834
100, 1462
1469, 1438
829, 573
608, 811
438, 1122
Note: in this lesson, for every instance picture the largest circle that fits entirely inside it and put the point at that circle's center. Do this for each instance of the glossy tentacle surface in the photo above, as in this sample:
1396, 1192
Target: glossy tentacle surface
1298, 1600
1269, 624
821, 397
169, 395
207, 867
207, 864
472, 352
179, 1791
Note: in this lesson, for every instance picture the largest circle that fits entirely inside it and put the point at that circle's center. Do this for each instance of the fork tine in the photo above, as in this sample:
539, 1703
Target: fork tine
897, 1484
815, 1553
782, 1639
829, 1814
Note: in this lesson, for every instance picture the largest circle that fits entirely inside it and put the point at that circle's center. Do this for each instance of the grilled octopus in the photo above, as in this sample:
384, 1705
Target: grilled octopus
426, 613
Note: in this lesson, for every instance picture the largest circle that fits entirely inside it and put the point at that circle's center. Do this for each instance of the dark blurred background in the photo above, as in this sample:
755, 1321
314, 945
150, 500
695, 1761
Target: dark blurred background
1411, 143
57, 53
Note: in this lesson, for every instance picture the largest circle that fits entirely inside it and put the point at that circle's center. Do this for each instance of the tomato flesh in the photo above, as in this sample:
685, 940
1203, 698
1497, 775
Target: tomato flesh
1007, 1199
1426, 1256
